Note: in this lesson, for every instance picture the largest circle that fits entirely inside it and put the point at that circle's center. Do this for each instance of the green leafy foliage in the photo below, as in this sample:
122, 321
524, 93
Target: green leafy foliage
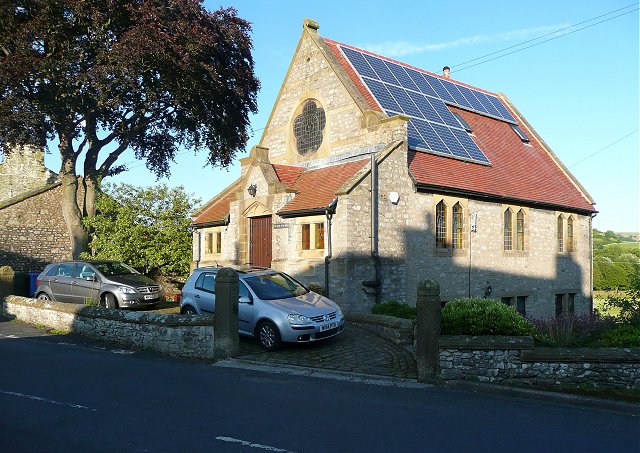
146, 227
622, 336
100, 77
616, 261
394, 308
626, 305
483, 317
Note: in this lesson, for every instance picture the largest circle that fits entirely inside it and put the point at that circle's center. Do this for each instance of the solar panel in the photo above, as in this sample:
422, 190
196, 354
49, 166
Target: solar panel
423, 97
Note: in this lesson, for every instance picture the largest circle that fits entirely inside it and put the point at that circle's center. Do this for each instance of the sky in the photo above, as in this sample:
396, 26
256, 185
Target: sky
570, 67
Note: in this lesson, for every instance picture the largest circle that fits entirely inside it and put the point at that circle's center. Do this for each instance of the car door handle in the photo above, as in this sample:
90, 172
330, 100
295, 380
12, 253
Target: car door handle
197, 296
74, 283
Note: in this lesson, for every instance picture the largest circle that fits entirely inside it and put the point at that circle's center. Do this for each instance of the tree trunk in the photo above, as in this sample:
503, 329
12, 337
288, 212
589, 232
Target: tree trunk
91, 186
70, 209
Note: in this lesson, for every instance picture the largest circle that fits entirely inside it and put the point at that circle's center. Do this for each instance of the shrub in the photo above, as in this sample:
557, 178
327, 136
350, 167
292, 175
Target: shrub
316, 287
570, 330
394, 308
627, 305
622, 336
483, 317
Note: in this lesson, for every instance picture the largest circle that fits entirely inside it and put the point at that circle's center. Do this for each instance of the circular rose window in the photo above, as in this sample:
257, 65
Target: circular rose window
308, 128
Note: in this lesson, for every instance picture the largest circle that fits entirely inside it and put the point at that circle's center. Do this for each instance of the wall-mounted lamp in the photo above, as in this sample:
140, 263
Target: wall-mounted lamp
394, 197
252, 189
487, 292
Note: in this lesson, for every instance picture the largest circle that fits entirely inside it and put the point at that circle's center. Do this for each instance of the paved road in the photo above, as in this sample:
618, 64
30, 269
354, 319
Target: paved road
65, 394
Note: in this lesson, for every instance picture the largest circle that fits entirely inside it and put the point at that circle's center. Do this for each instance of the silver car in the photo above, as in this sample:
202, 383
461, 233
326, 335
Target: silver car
109, 284
273, 307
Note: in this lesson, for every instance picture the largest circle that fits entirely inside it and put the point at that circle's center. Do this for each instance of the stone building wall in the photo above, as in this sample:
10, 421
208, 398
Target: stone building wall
21, 171
33, 232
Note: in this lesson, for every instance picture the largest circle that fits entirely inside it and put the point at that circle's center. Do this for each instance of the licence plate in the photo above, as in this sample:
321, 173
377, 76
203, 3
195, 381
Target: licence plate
149, 297
331, 325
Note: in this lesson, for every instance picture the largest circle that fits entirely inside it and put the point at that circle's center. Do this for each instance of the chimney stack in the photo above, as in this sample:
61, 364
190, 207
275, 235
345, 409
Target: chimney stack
446, 72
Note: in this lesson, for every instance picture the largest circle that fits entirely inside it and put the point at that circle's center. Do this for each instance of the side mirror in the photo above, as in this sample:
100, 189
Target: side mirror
91, 278
244, 300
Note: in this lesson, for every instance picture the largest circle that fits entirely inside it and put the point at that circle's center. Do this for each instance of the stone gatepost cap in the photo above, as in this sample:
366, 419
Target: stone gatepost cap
227, 274
428, 286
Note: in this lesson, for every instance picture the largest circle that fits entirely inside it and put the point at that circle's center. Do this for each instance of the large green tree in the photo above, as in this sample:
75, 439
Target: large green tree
102, 76
146, 227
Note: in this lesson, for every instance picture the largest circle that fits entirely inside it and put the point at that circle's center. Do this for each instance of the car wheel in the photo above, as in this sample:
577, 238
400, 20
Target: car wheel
43, 296
268, 335
109, 301
189, 310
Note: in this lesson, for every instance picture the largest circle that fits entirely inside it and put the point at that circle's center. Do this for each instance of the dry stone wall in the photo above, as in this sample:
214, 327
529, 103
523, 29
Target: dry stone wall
176, 335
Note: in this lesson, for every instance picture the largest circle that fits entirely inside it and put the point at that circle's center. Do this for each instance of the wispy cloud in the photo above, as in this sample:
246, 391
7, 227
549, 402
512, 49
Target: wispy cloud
402, 48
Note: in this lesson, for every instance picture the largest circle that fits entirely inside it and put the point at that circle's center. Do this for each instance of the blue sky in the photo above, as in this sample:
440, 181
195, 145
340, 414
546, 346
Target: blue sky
579, 90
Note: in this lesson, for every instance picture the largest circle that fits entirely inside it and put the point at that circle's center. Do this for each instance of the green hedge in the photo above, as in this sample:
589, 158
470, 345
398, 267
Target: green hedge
483, 317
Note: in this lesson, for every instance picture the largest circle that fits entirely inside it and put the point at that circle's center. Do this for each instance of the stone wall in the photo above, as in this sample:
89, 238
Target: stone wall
494, 360
21, 171
515, 360
33, 232
176, 335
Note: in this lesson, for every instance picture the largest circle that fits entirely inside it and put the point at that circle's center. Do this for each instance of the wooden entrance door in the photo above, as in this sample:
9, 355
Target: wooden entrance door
260, 250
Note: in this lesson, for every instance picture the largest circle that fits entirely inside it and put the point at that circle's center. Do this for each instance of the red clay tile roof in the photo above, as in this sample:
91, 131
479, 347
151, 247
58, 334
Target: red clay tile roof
218, 210
316, 189
287, 174
518, 171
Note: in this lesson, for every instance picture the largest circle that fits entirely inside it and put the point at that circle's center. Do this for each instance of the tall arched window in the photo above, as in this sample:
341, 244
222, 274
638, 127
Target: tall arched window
508, 230
560, 234
520, 230
441, 225
457, 226
570, 234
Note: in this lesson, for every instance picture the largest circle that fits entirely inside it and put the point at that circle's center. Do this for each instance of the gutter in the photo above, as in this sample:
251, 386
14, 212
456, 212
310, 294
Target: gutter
213, 223
502, 199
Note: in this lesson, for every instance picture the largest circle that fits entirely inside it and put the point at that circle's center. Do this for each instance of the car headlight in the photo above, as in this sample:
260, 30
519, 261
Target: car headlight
298, 320
126, 290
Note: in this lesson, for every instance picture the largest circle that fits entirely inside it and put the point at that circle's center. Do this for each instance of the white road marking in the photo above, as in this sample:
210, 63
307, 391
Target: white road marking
46, 400
250, 444
122, 351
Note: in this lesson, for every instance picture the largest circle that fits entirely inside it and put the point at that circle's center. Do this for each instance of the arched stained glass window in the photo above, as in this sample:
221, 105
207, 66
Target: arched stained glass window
441, 225
457, 226
508, 230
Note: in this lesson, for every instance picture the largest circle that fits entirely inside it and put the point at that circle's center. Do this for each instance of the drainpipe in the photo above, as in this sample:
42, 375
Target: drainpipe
329, 211
199, 256
377, 283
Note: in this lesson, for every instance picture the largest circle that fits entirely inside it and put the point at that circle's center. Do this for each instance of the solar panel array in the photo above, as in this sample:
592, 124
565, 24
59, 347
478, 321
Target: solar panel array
423, 97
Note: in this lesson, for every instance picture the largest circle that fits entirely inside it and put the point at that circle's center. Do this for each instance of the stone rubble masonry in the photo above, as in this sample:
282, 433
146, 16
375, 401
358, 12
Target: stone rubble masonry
515, 360
175, 335
23, 170
33, 232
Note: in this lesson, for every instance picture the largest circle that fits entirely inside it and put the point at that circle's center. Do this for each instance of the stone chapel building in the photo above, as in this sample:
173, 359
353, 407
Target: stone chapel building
372, 175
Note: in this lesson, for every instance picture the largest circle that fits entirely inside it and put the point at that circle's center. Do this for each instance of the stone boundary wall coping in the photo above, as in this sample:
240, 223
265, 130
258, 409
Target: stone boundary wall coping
589, 355
487, 342
132, 317
382, 320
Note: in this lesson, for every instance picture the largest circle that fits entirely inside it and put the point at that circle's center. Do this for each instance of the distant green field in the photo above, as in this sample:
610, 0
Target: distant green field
626, 245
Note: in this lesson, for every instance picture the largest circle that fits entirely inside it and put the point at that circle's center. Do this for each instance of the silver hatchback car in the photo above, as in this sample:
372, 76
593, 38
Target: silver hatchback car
273, 307
110, 284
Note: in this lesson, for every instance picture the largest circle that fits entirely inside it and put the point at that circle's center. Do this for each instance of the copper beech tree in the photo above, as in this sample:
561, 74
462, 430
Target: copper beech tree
98, 77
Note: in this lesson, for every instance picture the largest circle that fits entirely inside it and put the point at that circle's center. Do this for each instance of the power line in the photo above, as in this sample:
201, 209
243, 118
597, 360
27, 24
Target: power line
602, 149
542, 42
545, 35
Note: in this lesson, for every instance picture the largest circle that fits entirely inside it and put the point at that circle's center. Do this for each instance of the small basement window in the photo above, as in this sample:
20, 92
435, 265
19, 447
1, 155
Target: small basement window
462, 122
521, 135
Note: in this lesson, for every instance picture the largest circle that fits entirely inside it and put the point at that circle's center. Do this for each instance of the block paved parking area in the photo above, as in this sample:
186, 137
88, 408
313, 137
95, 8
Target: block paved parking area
356, 350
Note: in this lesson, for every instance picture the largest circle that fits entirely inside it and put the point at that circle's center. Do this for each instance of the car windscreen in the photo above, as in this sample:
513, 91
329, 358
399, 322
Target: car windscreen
110, 268
275, 286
